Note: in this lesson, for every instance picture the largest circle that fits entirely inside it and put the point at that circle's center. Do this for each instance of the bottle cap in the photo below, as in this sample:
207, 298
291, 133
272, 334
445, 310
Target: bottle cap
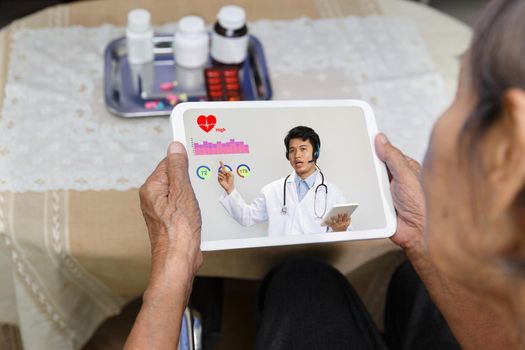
231, 17
139, 21
191, 25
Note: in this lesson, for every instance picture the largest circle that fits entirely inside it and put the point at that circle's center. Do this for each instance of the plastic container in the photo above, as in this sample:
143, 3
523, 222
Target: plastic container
139, 35
191, 43
229, 38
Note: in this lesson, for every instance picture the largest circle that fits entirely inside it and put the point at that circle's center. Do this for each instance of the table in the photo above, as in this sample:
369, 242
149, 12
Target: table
77, 237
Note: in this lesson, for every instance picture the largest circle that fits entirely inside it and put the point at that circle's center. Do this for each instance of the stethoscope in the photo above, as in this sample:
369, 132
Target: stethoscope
284, 210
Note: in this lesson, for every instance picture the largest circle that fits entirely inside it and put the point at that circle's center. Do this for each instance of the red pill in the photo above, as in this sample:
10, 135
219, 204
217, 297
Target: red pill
214, 87
216, 93
232, 87
214, 81
213, 73
230, 73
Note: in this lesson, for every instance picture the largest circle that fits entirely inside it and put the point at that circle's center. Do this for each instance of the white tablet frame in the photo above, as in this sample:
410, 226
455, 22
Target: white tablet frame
179, 133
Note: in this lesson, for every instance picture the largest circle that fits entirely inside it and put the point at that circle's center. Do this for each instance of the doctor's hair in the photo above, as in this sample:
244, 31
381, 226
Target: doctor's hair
304, 133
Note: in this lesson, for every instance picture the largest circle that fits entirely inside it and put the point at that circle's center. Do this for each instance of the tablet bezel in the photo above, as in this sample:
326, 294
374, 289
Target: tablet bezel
179, 134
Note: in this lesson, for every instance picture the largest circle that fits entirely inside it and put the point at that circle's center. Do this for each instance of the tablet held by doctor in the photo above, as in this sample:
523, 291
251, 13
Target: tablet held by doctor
293, 205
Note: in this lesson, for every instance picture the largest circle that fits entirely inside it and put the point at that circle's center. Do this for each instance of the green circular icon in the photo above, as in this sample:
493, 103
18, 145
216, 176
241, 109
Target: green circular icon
243, 171
203, 172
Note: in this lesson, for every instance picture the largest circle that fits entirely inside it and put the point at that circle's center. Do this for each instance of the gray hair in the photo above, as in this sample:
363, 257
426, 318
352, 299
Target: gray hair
496, 61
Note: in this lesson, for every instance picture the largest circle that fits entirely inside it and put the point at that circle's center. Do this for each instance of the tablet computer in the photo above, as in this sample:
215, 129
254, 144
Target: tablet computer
347, 209
285, 164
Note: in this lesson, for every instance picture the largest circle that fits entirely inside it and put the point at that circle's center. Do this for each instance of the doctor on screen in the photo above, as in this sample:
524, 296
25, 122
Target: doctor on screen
295, 204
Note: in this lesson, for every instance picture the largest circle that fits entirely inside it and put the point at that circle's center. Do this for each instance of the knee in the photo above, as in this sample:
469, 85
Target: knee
405, 273
298, 273
302, 266
405, 281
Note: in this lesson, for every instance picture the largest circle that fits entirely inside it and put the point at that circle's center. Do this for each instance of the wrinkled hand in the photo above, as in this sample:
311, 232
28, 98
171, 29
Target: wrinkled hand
339, 223
173, 218
407, 193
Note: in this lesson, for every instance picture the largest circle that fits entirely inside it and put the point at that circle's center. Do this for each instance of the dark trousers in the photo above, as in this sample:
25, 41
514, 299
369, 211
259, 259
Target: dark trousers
307, 304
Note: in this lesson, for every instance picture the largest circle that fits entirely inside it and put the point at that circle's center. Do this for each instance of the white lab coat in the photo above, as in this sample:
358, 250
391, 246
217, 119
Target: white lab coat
267, 206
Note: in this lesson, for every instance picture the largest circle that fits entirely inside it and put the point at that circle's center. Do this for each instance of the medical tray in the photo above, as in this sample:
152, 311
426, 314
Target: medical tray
126, 98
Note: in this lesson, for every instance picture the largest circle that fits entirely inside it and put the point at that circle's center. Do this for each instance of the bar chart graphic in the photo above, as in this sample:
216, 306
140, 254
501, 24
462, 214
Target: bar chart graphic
209, 148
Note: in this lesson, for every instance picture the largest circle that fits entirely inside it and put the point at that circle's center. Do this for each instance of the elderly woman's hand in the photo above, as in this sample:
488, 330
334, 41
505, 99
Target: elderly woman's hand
173, 218
407, 193
174, 225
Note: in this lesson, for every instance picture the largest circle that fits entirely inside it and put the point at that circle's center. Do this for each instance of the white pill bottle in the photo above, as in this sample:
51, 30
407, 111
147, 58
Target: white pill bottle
229, 37
139, 37
191, 44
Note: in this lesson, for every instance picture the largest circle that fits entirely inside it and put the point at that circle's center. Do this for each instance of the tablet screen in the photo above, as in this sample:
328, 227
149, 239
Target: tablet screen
249, 139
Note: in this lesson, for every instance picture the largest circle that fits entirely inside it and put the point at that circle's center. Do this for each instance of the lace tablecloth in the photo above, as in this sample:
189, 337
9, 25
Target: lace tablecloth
56, 133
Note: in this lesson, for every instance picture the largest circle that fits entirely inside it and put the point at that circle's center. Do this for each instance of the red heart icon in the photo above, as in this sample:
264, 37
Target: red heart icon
206, 123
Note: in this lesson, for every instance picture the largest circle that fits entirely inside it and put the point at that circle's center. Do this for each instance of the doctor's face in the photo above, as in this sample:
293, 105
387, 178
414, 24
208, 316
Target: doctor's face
299, 154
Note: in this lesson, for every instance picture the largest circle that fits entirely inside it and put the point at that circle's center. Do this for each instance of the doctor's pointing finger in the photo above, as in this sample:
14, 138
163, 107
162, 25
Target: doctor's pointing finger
225, 178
